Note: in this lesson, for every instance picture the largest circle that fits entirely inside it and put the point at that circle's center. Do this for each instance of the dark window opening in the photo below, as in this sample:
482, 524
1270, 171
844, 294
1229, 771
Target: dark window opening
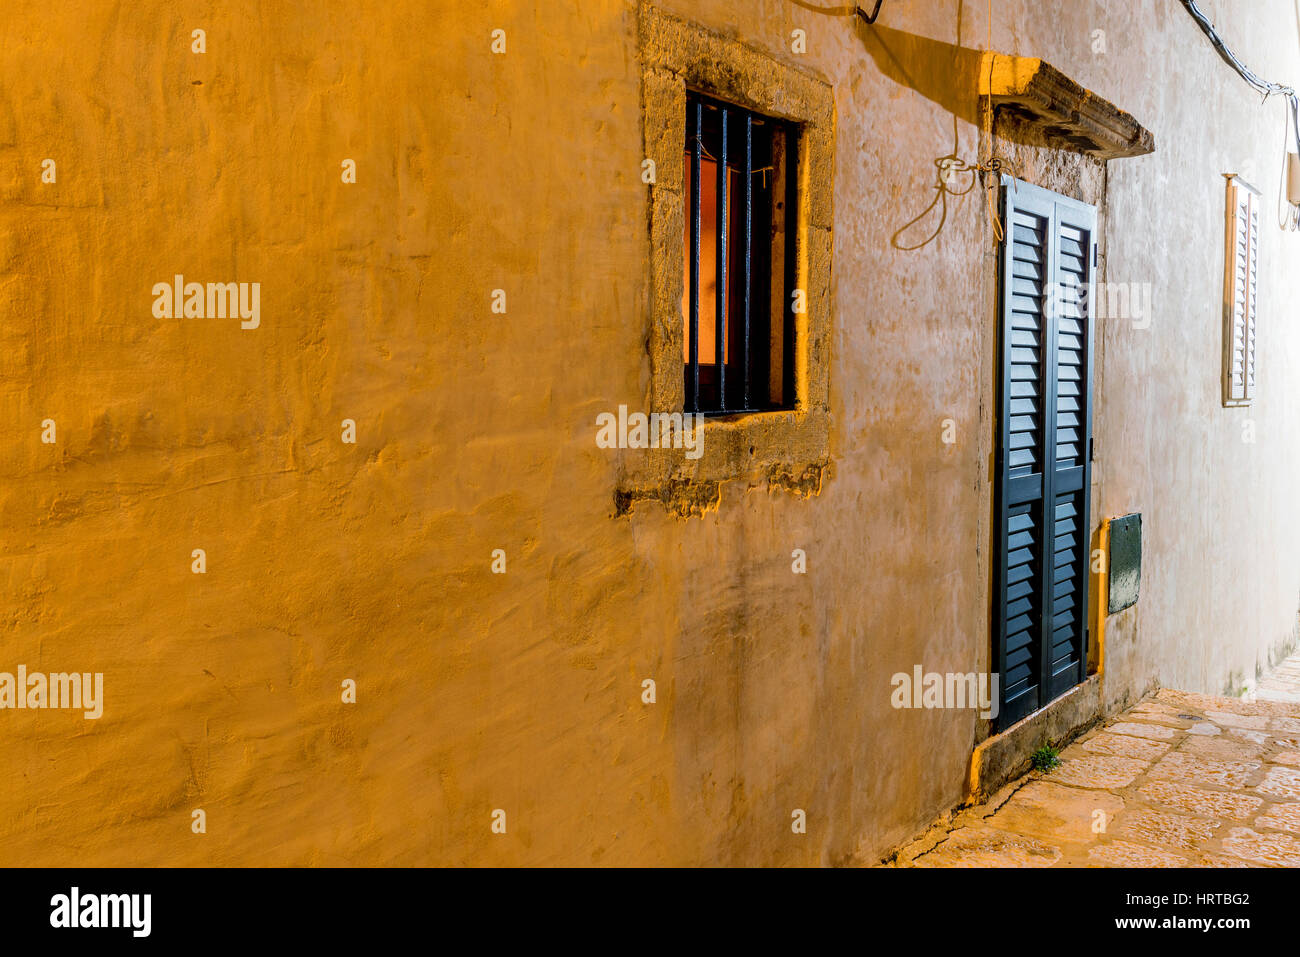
738, 320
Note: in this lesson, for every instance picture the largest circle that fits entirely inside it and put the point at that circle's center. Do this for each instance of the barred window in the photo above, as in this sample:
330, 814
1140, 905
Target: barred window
737, 346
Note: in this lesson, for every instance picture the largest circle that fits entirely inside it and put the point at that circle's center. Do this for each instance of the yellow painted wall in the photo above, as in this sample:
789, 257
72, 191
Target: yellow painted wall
475, 431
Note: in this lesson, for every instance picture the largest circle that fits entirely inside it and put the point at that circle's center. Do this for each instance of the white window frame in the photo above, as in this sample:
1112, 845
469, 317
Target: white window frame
1240, 292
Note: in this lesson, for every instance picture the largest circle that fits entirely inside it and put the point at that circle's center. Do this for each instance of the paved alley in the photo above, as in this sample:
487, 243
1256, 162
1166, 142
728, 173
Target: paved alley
1179, 780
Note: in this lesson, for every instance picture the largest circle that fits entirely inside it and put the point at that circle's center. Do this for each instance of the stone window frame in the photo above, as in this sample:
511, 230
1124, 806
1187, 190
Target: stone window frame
788, 447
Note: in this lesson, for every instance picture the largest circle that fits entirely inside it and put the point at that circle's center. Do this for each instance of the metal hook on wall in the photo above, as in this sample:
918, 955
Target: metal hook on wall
871, 18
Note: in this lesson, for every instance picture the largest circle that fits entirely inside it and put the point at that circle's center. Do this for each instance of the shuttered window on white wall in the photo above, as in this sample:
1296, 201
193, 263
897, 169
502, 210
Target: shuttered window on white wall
1241, 273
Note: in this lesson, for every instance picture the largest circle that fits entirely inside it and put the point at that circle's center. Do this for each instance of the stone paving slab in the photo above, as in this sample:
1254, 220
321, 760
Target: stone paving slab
1178, 780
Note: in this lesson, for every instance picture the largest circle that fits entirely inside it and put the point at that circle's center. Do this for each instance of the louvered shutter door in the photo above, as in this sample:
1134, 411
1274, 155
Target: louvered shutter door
1252, 284
1026, 274
1041, 586
1066, 652
1240, 294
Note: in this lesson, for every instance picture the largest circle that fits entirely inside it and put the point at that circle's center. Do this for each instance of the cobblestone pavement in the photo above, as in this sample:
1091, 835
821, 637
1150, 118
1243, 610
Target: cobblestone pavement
1179, 780
1283, 684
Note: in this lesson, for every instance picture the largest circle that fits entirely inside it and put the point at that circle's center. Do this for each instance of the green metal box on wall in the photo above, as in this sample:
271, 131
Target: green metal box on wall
1125, 561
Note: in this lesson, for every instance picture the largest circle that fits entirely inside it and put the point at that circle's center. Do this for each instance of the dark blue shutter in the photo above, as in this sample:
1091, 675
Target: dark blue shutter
1043, 474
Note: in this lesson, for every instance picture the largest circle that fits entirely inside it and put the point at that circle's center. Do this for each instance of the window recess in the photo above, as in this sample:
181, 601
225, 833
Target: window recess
737, 346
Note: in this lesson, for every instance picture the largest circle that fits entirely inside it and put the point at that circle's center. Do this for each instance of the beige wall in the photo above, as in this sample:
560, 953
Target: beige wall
476, 431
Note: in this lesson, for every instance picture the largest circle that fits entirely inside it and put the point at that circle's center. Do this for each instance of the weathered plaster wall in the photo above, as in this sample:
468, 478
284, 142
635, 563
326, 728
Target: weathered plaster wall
1220, 522
476, 431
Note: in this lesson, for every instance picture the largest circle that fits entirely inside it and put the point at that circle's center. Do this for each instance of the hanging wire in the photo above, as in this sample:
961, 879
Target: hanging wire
951, 170
991, 163
1263, 86
870, 17
1291, 218
947, 183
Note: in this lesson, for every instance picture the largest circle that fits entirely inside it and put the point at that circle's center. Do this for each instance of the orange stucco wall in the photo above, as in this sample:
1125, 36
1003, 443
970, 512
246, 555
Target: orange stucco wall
475, 431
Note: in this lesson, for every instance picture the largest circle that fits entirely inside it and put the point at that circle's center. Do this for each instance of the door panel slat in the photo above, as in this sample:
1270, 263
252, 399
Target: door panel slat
1045, 429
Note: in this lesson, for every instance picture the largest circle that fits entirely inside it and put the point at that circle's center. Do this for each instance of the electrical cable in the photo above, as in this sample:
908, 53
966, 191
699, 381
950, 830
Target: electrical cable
1292, 220
870, 17
1263, 86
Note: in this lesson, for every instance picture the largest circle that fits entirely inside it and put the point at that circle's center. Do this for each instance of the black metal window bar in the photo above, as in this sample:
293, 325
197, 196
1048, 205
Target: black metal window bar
738, 168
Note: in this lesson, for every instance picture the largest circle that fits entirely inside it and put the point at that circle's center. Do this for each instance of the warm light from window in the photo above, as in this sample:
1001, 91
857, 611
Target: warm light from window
708, 261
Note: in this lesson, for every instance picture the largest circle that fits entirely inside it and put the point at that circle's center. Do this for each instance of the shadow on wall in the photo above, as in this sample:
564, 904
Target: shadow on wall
948, 75
847, 11
944, 73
